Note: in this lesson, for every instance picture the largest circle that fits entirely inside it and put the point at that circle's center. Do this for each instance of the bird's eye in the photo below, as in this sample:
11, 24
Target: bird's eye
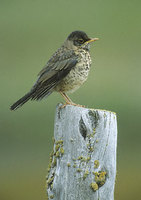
81, 41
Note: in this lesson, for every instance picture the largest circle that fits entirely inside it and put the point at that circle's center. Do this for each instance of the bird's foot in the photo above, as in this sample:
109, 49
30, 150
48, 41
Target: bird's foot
68, 101
72, 104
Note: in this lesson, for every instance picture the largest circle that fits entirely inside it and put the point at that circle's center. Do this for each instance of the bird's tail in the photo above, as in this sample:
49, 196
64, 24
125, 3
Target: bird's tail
22, 101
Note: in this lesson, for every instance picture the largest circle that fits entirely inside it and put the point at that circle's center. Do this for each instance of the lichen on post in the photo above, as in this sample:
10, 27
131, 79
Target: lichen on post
83, 162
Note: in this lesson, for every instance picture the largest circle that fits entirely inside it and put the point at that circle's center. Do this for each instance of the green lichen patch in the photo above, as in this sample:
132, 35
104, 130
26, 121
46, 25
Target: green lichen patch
94, 186
96, 164
100, 178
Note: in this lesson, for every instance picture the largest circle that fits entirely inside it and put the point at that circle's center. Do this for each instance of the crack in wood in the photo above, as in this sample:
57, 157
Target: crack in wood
82, 128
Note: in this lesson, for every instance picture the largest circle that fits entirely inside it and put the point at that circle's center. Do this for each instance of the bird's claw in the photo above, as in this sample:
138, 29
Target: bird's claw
72, 104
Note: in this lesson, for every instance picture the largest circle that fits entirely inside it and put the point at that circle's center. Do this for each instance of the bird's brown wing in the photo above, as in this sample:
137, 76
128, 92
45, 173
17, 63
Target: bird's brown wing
54, 71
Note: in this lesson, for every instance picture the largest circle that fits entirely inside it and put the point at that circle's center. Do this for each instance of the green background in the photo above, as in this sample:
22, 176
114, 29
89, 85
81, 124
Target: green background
30, 32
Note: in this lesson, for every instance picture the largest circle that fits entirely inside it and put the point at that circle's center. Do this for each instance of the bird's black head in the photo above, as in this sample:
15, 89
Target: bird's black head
78, 38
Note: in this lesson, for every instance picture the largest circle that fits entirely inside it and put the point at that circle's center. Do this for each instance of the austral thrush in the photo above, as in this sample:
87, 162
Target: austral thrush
66, 70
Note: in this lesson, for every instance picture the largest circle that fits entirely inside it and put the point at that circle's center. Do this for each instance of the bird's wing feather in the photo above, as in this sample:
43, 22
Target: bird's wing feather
54, 71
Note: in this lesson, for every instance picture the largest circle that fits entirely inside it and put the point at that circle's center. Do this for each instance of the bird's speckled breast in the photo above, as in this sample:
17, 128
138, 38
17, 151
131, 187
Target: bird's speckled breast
78, 75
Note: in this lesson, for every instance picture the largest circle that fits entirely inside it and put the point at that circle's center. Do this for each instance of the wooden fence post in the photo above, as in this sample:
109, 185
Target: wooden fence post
83, 163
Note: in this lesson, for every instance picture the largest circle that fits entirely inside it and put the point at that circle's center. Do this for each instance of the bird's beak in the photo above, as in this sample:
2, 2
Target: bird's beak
91, 40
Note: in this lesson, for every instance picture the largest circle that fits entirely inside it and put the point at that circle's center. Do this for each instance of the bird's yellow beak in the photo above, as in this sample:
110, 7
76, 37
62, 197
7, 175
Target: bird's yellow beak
91, 40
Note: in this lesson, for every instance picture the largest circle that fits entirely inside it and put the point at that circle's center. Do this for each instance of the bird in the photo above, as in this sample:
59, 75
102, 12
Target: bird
65, 72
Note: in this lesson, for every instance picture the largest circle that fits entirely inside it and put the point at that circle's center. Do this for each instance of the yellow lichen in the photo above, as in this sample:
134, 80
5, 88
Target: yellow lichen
57, 147
58, 151
68, 164
103, 110
49, 167
96, 164
59, 142
62, 150
50, 162
54, 162
94, 186
79, 170
82, 158
51, 196
94, 131
88, 145
100, 178
51, 186
57, 154
85, 174
50, 182
51, 154
91, 149
88, 158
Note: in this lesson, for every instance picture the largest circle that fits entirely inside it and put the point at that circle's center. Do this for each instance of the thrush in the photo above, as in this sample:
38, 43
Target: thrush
65, 72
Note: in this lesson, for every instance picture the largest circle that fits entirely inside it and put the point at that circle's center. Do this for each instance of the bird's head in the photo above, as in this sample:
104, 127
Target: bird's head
79, 39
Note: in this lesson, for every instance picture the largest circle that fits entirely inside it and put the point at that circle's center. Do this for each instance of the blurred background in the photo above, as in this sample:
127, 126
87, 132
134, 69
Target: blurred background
30, 32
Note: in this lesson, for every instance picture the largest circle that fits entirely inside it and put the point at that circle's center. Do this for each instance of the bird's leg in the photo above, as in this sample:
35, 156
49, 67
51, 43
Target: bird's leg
68, 101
